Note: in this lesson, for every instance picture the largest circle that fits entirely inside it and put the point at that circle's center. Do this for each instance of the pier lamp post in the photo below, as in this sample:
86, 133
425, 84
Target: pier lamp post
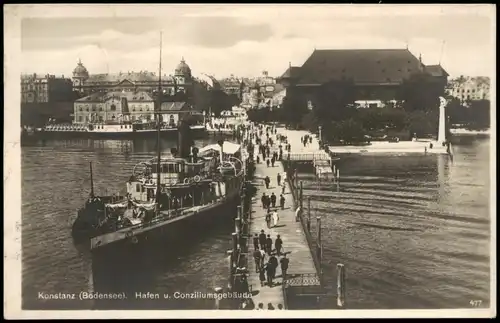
218, 291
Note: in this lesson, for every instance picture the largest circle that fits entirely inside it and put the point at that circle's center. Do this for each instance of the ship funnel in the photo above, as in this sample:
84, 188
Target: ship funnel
185, 141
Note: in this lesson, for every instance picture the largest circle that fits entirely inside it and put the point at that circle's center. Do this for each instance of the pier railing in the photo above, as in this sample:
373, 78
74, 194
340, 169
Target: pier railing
309, 238
312, 156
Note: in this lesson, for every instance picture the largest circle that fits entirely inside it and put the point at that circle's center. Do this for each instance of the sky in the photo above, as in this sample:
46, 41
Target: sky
245, 40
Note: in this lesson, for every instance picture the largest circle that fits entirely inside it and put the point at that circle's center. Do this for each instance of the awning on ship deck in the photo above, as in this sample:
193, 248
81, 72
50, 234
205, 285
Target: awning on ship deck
227, 147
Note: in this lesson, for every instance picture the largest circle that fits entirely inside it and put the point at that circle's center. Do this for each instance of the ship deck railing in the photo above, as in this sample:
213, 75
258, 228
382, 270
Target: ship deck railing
172, 214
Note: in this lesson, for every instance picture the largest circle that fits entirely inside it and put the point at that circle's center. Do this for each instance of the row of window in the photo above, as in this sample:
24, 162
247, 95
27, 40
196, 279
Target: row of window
468, 90
113, 108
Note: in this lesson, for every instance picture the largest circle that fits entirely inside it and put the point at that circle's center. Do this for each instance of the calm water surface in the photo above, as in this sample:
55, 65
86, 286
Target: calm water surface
413, 231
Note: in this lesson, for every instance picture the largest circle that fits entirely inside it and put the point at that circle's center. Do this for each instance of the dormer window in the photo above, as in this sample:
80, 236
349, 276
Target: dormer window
383, 70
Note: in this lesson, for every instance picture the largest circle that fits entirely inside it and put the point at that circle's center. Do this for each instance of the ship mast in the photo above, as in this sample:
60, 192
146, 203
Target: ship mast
158, 144
91, 182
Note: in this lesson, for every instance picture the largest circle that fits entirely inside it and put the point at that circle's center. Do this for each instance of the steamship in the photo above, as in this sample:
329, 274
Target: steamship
161, 191
111, 130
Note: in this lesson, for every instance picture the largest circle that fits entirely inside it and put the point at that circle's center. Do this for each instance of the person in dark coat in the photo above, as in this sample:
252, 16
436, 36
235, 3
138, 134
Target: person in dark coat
256, 258
278, 243
268, 219
267, 180
273, 261
269, 244
282, 202
272, 161
262, 277
278, 177
273, 200
267, 162
269, 274
262, 240
284, 266
263, 199
256, 242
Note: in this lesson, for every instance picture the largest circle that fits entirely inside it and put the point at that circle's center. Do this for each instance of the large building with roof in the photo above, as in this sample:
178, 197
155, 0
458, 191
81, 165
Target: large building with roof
376, 74
468, 89
114, 107
181, 85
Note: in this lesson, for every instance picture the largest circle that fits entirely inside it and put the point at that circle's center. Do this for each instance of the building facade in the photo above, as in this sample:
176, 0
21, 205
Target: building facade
45, 88
258, 92
469, 88
376, 75
180, 85
232, 86
114, 107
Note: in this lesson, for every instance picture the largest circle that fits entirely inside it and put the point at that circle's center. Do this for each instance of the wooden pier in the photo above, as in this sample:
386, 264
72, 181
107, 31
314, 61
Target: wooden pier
302, 272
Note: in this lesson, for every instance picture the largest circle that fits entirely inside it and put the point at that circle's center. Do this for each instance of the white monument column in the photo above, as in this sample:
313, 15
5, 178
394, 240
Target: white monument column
442, 121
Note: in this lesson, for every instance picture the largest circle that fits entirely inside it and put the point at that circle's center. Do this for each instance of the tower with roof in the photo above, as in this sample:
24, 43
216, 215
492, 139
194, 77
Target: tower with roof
80, 75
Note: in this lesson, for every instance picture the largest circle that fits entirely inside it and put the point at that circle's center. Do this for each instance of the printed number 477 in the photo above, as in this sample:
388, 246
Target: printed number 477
475, 303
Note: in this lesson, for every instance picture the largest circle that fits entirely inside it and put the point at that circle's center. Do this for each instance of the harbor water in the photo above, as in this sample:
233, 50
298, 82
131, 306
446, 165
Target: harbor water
413, 231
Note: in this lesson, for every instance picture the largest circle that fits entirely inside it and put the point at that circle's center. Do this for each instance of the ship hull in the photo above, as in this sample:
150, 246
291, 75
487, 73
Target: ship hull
167, 133
127, 266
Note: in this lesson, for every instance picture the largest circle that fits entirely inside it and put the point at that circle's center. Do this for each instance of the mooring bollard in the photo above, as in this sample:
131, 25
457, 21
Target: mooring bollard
338, 180
218, 292
237, 225
231, 269
340, 285
309, 214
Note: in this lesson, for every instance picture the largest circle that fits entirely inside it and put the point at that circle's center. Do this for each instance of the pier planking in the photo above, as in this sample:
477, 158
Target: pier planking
291, 232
